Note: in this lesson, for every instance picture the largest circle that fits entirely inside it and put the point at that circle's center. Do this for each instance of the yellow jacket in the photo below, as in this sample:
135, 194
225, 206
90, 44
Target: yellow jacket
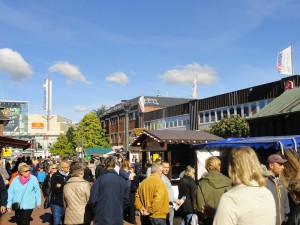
152, 195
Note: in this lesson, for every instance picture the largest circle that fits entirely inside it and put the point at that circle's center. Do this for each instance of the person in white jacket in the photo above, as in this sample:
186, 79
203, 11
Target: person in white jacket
248, 202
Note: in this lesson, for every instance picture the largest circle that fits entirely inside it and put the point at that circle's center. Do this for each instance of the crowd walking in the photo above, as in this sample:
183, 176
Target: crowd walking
110, 192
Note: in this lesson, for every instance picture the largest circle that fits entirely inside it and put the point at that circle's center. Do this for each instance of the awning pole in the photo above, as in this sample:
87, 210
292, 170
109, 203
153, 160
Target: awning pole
281, 147
295, 144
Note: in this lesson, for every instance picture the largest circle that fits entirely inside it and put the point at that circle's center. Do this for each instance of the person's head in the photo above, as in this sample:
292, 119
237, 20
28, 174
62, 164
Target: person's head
190, 171
294, 188
53, 168
157, 168
126, 164
24, 170
166, 167
77, 170
64, 166
244, 167
110, 162
213, 164
275, 164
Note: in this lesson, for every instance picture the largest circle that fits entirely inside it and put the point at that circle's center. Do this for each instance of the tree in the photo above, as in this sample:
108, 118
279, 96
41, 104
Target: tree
62, 147
90, 133
100, 111
233, 126
71, 137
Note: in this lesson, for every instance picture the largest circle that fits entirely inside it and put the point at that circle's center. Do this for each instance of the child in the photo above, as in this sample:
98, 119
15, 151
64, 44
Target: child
41, 175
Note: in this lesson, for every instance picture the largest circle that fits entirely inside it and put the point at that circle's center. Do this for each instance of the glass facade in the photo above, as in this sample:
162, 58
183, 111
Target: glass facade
17, 112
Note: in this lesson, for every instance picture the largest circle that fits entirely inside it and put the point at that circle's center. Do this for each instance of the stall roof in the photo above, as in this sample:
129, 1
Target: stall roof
288, 102
11, 142
277, 142
97, 151
175, 136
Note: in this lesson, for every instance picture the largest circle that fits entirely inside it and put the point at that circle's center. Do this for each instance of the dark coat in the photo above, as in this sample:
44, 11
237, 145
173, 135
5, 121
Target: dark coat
57, 192
187, 188
3, 193
46, 188
294, 217
108, 197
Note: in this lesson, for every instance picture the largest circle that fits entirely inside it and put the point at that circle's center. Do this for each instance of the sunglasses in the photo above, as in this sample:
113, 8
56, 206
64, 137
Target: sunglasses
25, 171
54, 168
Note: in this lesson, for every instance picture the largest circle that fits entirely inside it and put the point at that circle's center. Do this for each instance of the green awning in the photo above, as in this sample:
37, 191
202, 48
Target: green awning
97, 151
288, 102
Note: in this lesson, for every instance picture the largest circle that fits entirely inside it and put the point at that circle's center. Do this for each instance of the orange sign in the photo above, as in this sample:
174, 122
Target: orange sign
37, 125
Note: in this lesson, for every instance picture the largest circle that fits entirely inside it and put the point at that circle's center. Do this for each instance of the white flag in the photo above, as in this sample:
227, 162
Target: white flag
284, 61
194, 89
142, 103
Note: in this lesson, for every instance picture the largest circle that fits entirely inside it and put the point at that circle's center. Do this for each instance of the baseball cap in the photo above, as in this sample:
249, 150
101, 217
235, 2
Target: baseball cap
276, 158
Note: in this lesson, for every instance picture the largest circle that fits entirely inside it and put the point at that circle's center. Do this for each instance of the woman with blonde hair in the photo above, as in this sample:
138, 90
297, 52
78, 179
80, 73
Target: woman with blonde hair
76, 196
24, 190
248, 201
187, 188
211, 187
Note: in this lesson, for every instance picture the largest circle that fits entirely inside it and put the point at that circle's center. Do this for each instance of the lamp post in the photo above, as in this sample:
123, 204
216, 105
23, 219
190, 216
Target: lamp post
126, 107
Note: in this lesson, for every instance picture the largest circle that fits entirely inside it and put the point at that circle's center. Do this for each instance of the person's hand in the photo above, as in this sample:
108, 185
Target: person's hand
39, 207
2, 209
178, 202
208, 211
144, 212
58, 185
9, 210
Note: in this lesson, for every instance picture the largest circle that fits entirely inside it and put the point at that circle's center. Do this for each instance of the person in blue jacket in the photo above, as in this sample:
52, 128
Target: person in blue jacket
25, 190
109, 194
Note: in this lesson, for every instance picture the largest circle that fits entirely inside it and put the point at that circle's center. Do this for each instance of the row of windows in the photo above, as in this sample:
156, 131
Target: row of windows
131, 116
168, 123
244, 110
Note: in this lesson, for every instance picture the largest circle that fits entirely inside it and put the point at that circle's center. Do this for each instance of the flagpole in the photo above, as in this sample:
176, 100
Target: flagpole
292, 59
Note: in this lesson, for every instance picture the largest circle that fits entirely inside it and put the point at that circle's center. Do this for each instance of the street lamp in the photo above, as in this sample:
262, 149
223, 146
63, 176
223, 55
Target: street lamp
126, 107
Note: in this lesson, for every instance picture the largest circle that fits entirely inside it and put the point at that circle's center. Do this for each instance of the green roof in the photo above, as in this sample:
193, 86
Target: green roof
288, 102
97, 151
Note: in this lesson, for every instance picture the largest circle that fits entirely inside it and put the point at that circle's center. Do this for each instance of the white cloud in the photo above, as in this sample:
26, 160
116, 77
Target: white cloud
71, 72
12, 62
186, 75
118, 77
80, 108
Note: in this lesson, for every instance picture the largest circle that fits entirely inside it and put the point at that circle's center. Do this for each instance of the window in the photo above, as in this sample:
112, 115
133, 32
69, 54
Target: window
207, 117
212, 116
201, 118
253, 108
219, 115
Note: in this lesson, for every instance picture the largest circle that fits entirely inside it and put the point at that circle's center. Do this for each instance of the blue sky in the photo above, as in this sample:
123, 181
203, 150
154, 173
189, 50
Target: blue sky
101, 52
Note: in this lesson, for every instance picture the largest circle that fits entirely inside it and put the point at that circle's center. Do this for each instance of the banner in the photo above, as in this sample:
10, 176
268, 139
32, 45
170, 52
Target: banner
284, 61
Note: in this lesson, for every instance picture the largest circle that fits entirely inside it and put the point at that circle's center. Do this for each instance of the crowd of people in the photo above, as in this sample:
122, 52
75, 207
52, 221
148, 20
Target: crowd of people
110, 191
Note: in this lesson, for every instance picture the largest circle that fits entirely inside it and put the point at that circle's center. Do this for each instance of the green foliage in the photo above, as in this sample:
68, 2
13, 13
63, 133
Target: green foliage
71, 137
99, 112
233, 126
90, 133
62, 147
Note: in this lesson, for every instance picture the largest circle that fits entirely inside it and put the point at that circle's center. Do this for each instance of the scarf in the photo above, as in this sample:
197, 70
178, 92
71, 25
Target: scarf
24, 180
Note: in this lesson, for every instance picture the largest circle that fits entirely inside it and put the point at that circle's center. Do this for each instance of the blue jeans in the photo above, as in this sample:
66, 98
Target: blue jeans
58, 212
157, 221
186, 219
170, 216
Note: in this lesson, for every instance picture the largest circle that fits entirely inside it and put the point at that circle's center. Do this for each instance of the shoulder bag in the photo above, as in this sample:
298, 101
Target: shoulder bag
16, 206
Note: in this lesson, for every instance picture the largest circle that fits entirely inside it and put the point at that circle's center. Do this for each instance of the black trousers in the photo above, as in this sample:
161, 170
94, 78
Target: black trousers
23, 216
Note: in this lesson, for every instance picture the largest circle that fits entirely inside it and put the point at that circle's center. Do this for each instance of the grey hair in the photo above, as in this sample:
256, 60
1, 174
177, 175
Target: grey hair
156, 167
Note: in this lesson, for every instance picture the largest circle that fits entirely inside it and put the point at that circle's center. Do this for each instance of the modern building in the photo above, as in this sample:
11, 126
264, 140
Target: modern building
32, 128
113, 120
187, 114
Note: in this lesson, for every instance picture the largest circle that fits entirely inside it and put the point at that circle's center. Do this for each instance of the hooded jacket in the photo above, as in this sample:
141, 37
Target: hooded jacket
210, 189
280, 194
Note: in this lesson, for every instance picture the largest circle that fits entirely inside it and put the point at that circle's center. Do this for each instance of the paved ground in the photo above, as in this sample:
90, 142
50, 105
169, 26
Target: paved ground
43, 216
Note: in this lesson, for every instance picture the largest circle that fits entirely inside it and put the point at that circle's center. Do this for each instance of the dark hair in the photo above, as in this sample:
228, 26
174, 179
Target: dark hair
110, 161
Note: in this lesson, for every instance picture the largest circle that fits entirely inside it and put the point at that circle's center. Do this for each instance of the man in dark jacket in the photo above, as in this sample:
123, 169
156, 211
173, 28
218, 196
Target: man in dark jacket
3, 196
275, 165
58, 181
108, 196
